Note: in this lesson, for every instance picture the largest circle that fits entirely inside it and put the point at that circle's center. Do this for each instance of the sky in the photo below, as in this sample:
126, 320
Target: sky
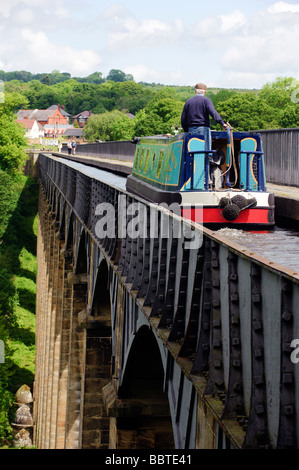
227, 43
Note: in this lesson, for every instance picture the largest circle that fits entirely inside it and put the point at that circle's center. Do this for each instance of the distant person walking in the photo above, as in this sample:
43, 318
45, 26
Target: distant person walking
74, 145
195, 117
69, 148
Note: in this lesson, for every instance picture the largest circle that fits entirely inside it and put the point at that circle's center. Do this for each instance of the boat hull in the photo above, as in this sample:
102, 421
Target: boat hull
203, 207
213, 217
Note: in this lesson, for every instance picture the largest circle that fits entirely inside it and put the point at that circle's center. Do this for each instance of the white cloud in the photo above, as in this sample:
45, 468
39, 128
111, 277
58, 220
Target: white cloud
48, 56
270, 49
283, 7
145, 30
24, 16
229, 47
124, 30
6, 7
142, 73
262, 45
219, 25
61, 13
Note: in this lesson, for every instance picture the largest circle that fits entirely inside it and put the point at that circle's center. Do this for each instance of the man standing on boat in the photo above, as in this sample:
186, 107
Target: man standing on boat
196, 114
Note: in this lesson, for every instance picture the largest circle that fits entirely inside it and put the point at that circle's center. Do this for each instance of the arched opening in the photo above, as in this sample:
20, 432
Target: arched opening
101, 308
144, 375
70, 233
98, 357
143, 419
81, 262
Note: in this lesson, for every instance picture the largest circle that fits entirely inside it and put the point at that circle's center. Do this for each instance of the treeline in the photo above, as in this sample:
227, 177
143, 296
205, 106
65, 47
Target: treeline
274, 106
57, 77
157, 108
77, 97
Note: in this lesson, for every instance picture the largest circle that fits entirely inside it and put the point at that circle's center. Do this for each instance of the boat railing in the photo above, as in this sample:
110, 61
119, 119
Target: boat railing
259, 168
207, 154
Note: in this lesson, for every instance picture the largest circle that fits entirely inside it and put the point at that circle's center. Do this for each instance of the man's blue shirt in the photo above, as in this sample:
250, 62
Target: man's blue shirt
196, 113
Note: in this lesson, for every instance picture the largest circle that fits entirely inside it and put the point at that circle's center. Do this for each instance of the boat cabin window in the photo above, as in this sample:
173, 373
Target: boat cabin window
153, 162
147, 160
136, 159
160, 162
141, 159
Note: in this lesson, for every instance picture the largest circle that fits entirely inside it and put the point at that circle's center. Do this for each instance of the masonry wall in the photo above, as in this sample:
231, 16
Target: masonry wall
72, 358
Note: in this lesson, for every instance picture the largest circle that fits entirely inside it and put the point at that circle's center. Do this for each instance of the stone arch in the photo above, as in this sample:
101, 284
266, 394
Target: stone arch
81, 261
144, 372
98, 358
62, 218
69, 230
144, 420
101, 304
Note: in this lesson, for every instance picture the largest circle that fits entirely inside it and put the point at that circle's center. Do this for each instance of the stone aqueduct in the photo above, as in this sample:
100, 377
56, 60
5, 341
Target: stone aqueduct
147, 343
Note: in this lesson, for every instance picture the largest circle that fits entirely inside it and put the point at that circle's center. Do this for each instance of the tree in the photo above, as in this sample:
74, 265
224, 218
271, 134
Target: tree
245, 112
160, 116
148, 124
12, 135
123, 128
222, 95
96, 77
46, 80
278, 93
116, 76
103, 126
289, 116
131, 96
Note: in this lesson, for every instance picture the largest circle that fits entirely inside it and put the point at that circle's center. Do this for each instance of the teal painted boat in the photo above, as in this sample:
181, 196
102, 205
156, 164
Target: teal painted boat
225, 186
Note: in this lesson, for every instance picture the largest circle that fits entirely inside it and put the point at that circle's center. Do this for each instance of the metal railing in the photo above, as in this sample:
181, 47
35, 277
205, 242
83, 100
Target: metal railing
120, 150
281, 151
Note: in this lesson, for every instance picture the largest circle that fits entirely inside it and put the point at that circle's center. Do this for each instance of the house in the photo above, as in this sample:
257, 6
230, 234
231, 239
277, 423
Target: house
82, 118
45, 116
63, 112
74, 134
56, 130
34, 130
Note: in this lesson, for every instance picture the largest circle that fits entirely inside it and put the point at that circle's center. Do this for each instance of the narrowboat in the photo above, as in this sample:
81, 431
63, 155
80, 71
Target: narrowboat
222, 187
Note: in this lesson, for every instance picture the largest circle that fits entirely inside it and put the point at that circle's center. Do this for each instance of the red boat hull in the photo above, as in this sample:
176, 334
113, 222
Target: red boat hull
214, 216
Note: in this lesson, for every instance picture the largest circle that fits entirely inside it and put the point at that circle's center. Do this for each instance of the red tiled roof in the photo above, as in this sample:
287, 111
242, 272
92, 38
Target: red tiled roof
28, 123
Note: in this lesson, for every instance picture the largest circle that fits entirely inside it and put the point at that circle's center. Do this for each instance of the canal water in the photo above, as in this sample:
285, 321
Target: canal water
278, 245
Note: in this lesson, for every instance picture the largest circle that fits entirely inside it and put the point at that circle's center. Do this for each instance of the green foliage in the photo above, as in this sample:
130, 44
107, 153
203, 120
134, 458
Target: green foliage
148, 124
6, 401
8, 198
118, 76
8, 300
278, 93
289, 117
96, 77
18, 228
271, 108
100, 126
156, 107
123, 128
160, 116
12, 138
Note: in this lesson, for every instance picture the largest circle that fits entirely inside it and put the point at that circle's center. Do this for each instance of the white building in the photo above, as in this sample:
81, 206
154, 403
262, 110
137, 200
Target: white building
34, 130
